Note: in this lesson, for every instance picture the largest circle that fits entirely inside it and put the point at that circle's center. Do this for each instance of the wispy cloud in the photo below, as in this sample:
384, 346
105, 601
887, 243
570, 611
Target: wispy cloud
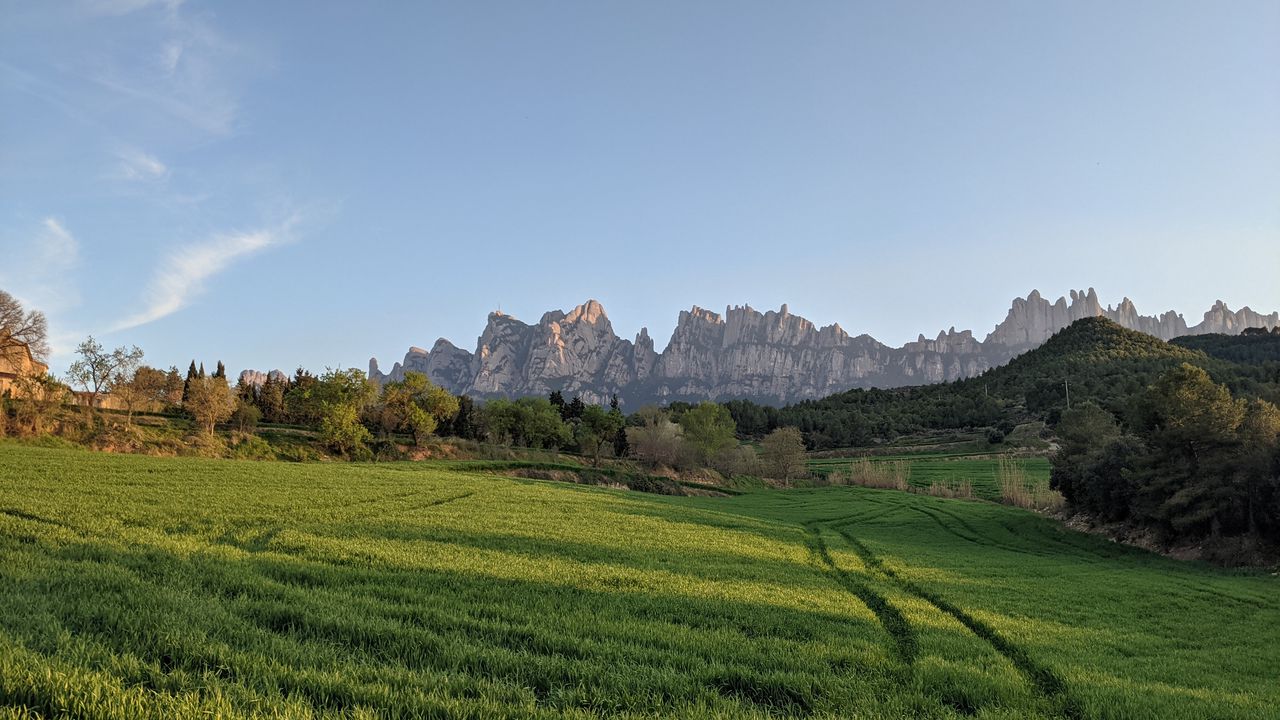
38, 266
138, 165
124, 7
181, 277
39, 269
170, 56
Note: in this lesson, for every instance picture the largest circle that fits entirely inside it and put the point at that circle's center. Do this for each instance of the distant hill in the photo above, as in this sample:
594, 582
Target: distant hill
772, 357
1254, 345
1093, 359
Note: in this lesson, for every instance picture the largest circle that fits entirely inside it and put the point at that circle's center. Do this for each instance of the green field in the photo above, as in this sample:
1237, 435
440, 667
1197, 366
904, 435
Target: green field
948, 469
150, 587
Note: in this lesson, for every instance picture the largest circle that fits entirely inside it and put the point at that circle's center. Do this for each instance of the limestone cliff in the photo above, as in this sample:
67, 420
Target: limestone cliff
773, 356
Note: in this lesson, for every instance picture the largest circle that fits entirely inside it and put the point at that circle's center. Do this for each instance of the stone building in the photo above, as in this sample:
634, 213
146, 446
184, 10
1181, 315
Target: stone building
16, 361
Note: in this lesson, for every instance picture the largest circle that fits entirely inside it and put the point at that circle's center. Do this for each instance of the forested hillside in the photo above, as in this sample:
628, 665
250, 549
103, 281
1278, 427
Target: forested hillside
1094, 360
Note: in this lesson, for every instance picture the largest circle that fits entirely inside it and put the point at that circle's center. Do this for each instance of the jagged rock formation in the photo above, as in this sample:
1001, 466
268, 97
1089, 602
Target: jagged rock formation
255, 378
771, 357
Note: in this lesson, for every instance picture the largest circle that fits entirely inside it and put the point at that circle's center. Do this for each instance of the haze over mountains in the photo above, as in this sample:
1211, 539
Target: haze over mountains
772, 357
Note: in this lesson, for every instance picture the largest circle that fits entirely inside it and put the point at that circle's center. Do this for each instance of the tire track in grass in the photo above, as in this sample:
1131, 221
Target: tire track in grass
904, 637
1042, 678
414, 508
981, 539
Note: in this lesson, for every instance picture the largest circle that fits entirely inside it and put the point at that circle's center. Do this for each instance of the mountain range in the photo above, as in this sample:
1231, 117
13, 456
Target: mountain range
771, 357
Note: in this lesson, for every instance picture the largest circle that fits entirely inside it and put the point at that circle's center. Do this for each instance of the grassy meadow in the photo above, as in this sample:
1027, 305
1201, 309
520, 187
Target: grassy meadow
948, 469
135, 587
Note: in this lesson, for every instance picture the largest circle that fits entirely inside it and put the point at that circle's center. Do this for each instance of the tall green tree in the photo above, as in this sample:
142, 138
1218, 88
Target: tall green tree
596, 430
708, 429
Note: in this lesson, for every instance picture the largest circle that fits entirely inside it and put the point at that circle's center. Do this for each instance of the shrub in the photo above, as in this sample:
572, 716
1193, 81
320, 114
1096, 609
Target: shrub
245, 446
341, 431
202, 444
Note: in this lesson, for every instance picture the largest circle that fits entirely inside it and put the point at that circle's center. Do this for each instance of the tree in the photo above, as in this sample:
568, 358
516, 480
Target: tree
1083, 433
186, 384
465, 421
42, 395
574, 409
98, 370
1190, 424
415, 405
783, 451
1257, 472
246, 415
173, 387
221, 371
271, 398
341, 431
597, 429
210, 401
708, 429
620, 446
20, 328
529, 422
655, 439
147, 386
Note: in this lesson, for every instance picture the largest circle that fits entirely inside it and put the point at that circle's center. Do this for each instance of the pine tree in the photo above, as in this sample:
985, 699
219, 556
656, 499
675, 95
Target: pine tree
221, 372
186, 384
574, 410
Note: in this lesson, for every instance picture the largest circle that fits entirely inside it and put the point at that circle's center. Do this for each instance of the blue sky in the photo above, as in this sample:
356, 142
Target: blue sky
284, 184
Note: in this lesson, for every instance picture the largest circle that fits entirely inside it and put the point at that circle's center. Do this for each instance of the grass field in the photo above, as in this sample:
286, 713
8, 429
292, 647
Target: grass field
178, 587
948, 469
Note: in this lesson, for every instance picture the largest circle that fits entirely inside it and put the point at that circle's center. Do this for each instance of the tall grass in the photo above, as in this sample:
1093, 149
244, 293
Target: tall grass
951, 488
889, 475
1019, 490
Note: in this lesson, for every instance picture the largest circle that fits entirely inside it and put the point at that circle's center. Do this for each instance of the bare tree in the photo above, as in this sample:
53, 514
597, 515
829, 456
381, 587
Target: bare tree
657, 441
20, 328
783, 451
98, 369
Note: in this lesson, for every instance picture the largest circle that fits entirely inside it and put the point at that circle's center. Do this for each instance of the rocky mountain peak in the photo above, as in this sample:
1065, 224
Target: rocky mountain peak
773, 356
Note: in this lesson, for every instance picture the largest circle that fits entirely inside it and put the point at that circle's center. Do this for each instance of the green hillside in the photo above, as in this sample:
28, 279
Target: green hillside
135, 587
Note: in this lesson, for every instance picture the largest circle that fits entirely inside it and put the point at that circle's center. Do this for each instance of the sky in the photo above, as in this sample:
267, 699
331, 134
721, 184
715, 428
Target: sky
310, 184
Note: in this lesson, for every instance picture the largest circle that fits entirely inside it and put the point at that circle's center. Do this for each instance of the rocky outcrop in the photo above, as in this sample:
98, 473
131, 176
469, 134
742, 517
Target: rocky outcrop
773, 356
256, 378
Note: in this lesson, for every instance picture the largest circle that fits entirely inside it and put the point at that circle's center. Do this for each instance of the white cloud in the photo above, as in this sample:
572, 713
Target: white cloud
138, 165
38, 266
186, 70
170, 56
182, 275
39, 269
124, 7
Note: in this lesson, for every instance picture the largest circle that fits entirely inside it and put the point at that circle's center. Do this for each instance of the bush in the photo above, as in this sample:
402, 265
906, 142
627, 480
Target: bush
341, 432
739, 460
202, 444
246, 416
245, 446
113, 437
299, 453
